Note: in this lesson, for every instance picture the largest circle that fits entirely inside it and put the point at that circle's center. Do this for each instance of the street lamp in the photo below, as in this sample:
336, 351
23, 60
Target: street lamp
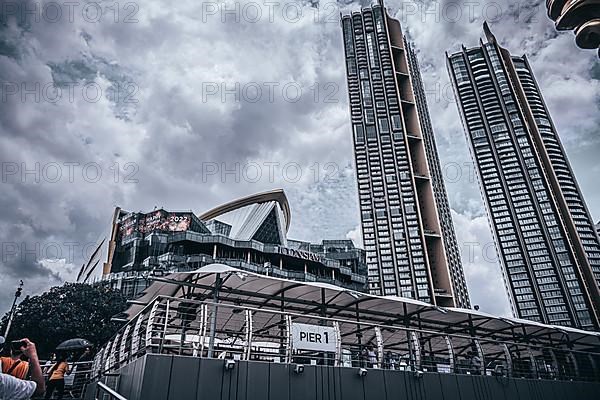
13, 308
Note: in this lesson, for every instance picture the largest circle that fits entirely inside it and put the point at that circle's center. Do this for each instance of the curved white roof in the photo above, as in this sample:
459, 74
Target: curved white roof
242, 287
277, 195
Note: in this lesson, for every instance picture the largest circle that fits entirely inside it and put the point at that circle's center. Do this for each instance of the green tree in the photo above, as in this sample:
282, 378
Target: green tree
74, 310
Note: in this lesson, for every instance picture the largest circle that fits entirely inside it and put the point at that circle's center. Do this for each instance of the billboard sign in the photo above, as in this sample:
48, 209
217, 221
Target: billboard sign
178, 222
159, 220
313, 337
153, 221
129, 225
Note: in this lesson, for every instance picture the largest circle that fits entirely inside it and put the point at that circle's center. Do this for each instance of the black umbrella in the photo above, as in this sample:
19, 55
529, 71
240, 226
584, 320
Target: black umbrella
73, 344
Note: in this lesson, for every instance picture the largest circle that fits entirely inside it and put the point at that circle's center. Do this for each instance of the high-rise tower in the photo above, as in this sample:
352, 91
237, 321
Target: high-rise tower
545, 238
407, 228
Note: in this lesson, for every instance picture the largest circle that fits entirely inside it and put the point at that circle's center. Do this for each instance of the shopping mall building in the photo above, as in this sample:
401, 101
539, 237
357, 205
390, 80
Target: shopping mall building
248, 233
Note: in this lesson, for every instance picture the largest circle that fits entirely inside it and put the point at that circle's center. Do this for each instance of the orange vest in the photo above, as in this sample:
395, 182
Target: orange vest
19, 370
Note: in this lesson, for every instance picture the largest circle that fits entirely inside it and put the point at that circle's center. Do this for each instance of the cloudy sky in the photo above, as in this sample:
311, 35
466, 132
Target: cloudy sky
188, 104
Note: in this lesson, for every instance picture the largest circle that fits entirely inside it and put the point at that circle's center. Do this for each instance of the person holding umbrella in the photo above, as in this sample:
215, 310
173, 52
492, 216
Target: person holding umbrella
61, 368
56, 380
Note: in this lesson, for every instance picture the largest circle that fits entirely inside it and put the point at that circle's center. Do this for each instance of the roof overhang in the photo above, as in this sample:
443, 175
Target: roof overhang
260, 291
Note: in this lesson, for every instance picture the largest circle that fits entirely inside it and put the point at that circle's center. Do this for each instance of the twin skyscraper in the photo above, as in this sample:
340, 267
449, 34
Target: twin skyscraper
409, 239
544, 235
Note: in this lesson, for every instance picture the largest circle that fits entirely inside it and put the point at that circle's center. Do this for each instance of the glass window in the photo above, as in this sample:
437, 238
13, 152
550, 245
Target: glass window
384, 126
359, 134
478, 133
369, 117
351, 66
348, 36
460, 69
373, 56
366, 93
396, 123
371, 132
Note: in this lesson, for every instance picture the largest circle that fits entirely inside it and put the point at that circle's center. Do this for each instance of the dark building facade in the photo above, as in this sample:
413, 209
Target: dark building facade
548, 248
410, 243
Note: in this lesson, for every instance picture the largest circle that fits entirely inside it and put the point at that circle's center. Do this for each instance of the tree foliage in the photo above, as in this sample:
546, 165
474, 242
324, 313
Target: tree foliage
74, 310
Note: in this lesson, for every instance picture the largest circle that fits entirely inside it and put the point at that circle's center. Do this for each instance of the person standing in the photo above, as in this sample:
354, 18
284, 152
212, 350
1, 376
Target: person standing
476, 363
56, 380
371, 358
49, 363
12, 388
14, 365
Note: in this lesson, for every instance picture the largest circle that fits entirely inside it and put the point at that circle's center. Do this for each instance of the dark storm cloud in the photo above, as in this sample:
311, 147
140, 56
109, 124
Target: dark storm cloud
186, 129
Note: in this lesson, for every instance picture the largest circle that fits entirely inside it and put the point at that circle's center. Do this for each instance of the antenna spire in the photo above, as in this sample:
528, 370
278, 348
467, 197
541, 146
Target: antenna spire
488, 33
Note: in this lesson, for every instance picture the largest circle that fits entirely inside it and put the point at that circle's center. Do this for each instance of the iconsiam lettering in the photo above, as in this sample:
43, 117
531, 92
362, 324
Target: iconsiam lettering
305, 255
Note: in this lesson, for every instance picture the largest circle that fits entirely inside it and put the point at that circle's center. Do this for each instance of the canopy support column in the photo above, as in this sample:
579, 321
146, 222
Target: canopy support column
416, 351
450, 353
507, 355
338, 344
199, 348
534, 368
288, 344
481, 356
213, 315
379, 341
359, 337
555, 363
249, 332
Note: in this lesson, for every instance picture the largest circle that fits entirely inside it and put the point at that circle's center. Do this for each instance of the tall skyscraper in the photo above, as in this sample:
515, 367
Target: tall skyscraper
407, 228
544, 235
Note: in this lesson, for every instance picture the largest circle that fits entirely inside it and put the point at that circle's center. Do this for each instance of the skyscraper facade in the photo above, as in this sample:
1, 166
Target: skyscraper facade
545, 238
407, 228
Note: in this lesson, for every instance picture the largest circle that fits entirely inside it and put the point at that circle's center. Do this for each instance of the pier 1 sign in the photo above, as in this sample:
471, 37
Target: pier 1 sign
313, 337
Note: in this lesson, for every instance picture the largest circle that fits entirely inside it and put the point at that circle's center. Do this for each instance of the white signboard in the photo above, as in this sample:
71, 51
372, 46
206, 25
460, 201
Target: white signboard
313, 337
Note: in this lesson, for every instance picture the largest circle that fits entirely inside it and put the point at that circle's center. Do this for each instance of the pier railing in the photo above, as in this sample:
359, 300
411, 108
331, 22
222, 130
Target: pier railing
195, 328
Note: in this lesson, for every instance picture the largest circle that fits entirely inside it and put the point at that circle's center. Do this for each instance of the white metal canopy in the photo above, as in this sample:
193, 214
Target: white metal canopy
243, 287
